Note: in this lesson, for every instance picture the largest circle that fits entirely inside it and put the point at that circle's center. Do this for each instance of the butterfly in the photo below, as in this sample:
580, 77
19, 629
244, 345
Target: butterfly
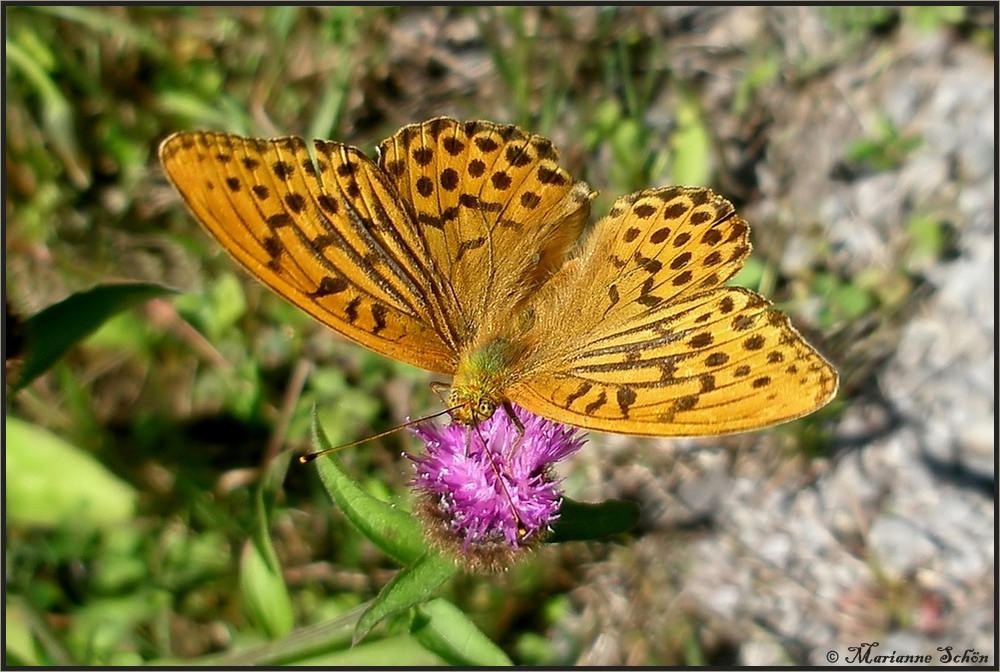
461, 250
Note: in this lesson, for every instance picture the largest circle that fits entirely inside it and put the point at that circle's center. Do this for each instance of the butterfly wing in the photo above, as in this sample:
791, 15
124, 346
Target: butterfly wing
650, 342
329, 235
497, 212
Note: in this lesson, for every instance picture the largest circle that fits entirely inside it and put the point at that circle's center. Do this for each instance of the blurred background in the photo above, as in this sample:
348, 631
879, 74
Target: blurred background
858, 142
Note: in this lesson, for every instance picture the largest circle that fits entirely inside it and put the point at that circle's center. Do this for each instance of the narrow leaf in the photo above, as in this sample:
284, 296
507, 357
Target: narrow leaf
394, 531
50, 333
444, 630
264, 595
692, 145
411, 586
51, 482
579, 521
399, 651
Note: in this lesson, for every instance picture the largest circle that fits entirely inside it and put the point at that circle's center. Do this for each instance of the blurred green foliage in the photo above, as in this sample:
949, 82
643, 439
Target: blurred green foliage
887, 147
58, 483
858, 19
160, 428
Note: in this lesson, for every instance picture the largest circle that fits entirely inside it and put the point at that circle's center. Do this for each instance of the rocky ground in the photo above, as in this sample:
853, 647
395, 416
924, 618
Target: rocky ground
889, 537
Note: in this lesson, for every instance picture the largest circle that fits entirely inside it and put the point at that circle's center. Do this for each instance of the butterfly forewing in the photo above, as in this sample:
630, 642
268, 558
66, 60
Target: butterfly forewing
328, 236
496, 210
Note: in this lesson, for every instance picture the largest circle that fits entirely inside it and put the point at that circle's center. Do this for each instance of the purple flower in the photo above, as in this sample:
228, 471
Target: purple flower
487, 502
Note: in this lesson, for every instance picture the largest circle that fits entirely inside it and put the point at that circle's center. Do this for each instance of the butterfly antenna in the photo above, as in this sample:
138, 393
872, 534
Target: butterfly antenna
309, 457
522, 530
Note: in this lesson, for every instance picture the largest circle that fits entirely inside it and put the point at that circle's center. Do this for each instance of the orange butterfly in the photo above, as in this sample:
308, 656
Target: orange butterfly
456, 251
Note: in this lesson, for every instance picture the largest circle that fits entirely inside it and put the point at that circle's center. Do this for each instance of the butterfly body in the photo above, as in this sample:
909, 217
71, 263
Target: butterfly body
461, 250
482, 378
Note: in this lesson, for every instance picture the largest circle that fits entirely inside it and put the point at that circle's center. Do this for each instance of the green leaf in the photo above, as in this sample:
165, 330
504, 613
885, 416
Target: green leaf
122, 333
579, 521
51, 482
265, 597
57, 113
852, 301
216, 309
123, 30
228, 303
928, 18
204, 111
692, 145
394, 531
411, 586
103, 628
50, 333
751, 276
399, 651
447, 632
19, 645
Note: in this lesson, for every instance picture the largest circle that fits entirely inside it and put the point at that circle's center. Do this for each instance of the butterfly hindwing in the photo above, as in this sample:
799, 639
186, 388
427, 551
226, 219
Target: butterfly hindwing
717, 363
652, 343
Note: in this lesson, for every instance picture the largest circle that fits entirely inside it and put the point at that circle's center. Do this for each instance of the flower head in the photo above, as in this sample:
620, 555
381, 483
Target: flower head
488, 491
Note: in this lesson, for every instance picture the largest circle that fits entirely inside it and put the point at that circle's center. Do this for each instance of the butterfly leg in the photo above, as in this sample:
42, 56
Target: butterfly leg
437, 386
509, 410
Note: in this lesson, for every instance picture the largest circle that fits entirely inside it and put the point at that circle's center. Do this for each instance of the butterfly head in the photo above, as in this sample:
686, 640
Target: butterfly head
482, 375
471, 406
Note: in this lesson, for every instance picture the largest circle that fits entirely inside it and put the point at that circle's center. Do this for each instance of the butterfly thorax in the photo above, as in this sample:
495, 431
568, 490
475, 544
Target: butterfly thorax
482, 375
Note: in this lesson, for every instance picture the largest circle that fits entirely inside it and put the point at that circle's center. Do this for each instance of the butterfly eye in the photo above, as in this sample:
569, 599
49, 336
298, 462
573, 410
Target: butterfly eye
484, 409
